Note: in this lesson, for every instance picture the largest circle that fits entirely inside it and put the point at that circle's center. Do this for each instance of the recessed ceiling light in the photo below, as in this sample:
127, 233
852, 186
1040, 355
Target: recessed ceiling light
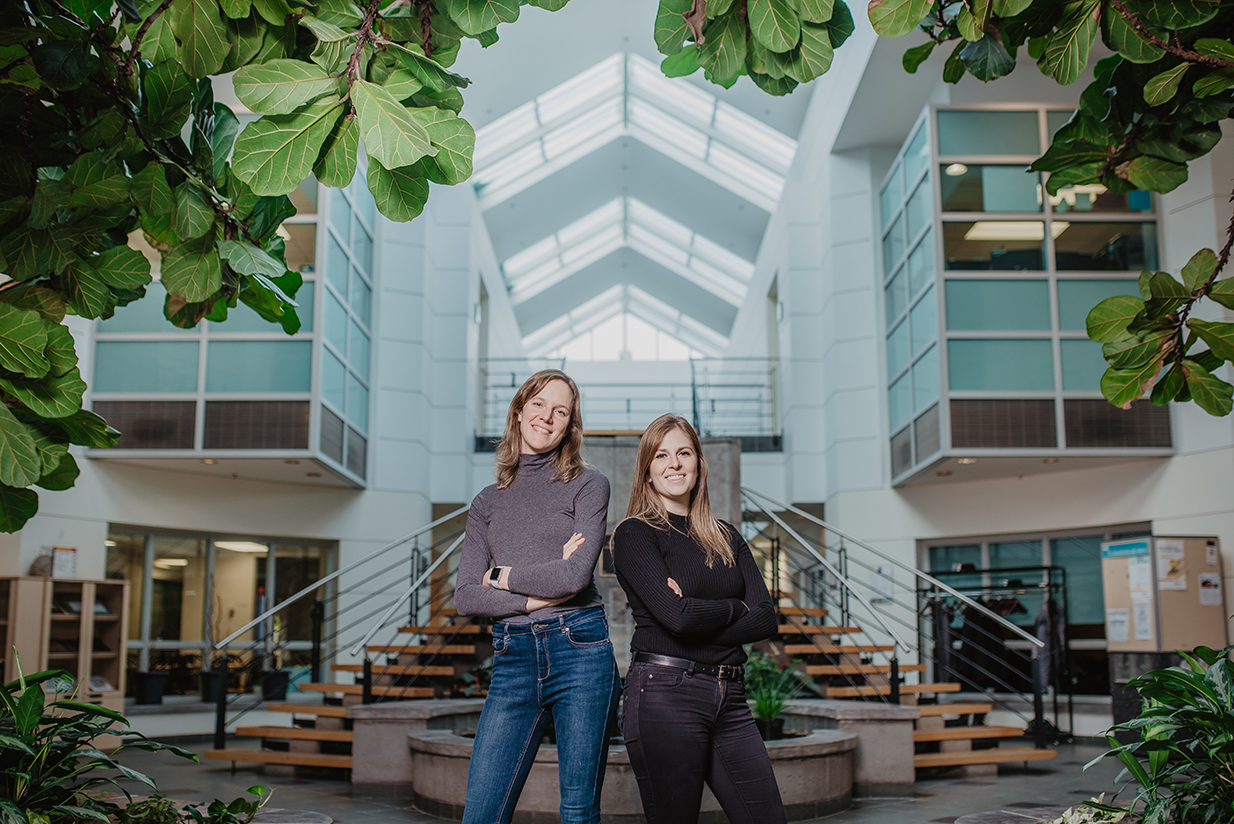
943, 473
1050, 460
209, 461
292, 461
955, 170
965, 461
168, 563
241, 546
313, 474
109, 543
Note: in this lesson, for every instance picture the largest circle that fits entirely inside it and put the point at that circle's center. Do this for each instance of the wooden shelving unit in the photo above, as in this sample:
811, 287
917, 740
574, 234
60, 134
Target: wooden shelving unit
73, 625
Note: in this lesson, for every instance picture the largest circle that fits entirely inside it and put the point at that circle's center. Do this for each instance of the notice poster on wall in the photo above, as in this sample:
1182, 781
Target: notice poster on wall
1140, 576
1171, 564
1142, 617
1210, 589
1116, 625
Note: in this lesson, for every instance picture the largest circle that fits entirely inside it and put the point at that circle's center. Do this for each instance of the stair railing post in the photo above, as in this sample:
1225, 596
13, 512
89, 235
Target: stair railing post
319, 619
844, 590
894, 677
220, 702
1039, 728
367, 696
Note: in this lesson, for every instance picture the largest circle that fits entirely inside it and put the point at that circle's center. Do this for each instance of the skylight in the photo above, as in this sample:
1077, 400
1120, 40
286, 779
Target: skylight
627, 96
627, 222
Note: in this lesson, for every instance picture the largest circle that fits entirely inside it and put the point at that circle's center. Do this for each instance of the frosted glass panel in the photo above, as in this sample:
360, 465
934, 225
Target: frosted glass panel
1022, 305
917, 155
893, 245
899, 402
918, 209
1083, 365
357, 354
361, 300
925, 380
258, 366
336, 323
336, 265
145, 366
892, 194
145, 315
924, 318
1015, 554
896, 296
333, 380
1076, 298
357, 403
897, 349
1000, 365
987, 133
1056, 120
921, 263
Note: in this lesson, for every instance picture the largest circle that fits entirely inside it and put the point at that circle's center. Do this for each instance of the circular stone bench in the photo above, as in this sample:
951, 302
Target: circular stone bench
814, 773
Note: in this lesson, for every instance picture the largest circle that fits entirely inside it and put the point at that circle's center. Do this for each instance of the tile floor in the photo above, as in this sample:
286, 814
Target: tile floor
936, 800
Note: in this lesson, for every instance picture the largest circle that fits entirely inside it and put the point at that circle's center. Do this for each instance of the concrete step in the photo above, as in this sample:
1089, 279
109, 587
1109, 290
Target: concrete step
967, 733
358, 689
294, 733
815, 629
1001, 755
423, 649
859, 669
298, 759
929, 710
394, 669
905, 689
823, 648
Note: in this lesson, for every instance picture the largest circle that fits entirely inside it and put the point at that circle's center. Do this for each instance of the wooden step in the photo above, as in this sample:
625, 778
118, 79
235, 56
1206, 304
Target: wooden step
324, 710
814, 629
905, 689
358, 689
298, 759
833, 649
859, 669
1001, 755
813, 612
423, 649
394, 669
447, 629
967, 733
933, 710
297, 733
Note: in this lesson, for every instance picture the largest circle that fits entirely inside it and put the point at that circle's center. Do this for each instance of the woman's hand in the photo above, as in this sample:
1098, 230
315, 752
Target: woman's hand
572, 545
534, 603
675, 588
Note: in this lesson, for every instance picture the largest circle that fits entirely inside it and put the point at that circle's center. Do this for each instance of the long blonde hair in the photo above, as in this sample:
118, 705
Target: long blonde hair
646, 505
569, 461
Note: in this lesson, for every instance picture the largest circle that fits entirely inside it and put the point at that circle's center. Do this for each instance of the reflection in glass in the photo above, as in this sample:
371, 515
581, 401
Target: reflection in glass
126, 561
899, 402
301, 240
145, 366
333, 380
924, 318
1076, 298
1015, 554
361, 299
239, 567
1086, 246
340, 214
145, 315
955, 559
179, 588
1083, 365
896, 296
336, 265
1093, 197
336, 323
358, 350
970, 188
975, 305
925, 380
892, 194
917, 155
893, 245
987, 133
295, 567
897, 349
987, 245
357, 403
362, 247
921, 263
917, 209
259, 366
1000, 365
1081, 557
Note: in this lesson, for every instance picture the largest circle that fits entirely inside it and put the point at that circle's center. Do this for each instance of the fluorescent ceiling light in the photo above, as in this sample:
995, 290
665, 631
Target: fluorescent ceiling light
242, 546
169, 563
956, 170
1012, 230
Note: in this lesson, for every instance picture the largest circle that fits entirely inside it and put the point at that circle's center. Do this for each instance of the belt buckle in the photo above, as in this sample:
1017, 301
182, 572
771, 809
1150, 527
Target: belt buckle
729, 672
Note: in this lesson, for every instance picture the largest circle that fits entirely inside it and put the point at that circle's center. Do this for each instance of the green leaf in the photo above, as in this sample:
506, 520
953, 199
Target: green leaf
274, 154
273, 12
775, 24
1210, 393
427, 70
1084, 173
282, 86
723, 53
150, 191
476, 16
1213, 83
1218, 336
1068, 46
1010, 8
684, 62
1221, 680
168, 99
987, 59
23, 338
1222, 292
51, 450
1122, 386
815, 11
401, 84
953, 69
914, 57
159, 44
1177, 14
193, 271
1199, 269
970, 30
61, 64
61, 477
1137, 350
29, 710
671, 28
1162, 285
248, 259
236, 9
841, 25
50, 196
20, 463
323, 31
1156, 174
1162, 87
87, 429
400, 193
813, 57
48, 397
98, 183
391, 133
1109, 319
777, 86
337, 164
455, 142
1124, 39
86, 293
16, 507
194, 215
1212, 47
202, 36
892, 18
223, 138
35, 298
1170, 387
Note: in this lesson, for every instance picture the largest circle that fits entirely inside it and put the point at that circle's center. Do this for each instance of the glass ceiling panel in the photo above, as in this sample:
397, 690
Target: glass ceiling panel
625, 95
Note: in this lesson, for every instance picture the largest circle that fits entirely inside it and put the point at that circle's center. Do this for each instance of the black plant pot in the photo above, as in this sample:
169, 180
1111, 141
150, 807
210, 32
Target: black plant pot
148, 687
210, 681
274, 685
770, 729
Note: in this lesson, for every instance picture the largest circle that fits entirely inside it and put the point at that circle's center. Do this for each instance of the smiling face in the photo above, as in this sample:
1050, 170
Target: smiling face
544, 419
674, 471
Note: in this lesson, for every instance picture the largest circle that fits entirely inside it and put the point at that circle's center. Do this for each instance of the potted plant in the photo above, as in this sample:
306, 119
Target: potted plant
769, 686
1183, 758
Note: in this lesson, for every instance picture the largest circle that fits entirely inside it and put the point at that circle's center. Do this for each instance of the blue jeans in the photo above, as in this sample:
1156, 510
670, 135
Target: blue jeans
563, 667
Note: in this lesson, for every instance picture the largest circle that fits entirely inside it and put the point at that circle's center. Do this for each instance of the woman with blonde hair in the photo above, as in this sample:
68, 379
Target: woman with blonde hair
697, 595
532, 542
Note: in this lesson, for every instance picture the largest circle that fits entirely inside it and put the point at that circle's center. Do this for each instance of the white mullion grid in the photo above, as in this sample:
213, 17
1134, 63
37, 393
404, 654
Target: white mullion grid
936, 222
199, 421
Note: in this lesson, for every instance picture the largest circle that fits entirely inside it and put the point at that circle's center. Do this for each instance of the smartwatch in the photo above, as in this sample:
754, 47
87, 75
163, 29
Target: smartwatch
494, 576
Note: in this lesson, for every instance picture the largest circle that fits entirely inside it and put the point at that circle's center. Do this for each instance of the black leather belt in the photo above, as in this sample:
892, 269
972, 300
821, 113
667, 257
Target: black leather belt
728, 672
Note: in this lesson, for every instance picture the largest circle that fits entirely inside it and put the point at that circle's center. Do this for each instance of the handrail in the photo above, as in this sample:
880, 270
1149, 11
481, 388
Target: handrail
317, 584
831, 568
416, 584
922, 575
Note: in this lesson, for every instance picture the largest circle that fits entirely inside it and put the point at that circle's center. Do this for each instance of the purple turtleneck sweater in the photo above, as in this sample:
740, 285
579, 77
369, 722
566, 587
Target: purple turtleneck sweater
524, 527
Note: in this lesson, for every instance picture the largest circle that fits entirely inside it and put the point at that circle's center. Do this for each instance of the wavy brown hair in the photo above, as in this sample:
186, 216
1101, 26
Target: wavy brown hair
646, 505
569, 461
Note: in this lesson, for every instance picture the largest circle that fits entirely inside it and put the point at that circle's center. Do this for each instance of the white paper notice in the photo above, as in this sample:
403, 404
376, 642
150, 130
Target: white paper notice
1210, 553
1210, 589
1143, 620
1116, 628
1171, 564
1140, 576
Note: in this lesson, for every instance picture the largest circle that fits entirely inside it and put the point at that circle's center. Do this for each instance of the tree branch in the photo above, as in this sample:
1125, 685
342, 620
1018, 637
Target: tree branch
695, 18
1223, 257
141, 32
1177, 50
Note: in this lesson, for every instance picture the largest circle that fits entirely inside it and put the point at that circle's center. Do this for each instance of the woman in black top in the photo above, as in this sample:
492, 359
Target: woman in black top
697, 595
